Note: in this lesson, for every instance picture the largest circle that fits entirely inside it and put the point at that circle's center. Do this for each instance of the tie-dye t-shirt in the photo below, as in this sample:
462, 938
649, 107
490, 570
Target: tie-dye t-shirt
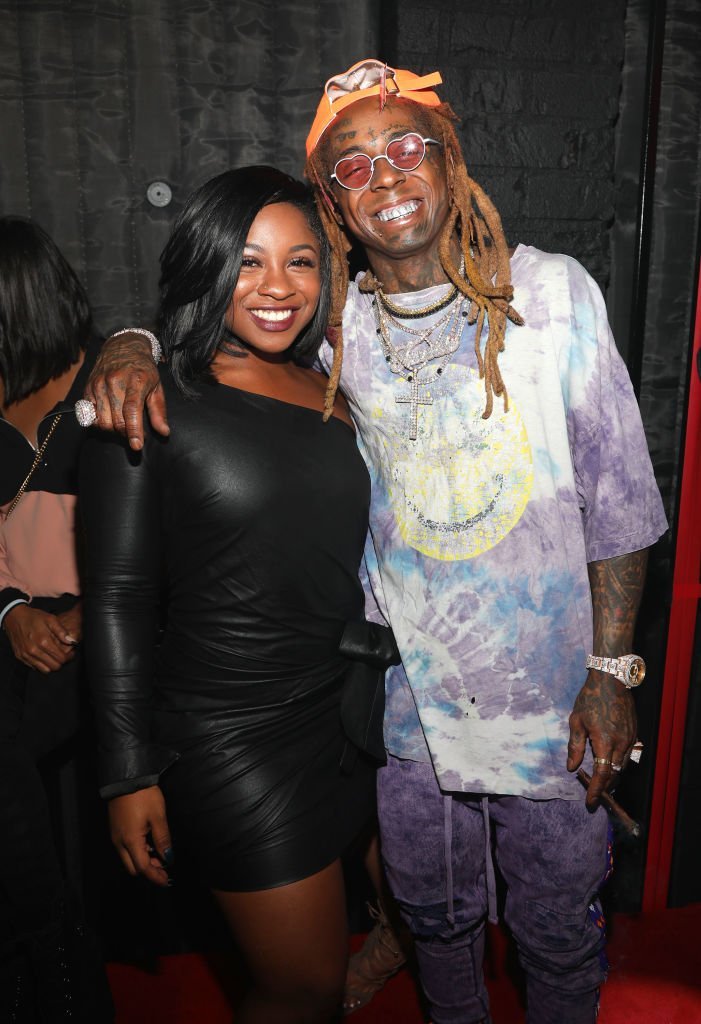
481, 530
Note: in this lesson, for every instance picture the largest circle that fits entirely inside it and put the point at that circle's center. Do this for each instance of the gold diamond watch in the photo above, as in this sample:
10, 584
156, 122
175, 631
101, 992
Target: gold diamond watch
629, 668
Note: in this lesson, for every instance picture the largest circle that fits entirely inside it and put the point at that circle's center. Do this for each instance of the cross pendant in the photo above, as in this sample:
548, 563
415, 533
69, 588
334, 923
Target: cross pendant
414, 400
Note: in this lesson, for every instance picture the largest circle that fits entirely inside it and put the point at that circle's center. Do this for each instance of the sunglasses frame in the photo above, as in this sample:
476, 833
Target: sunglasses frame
382, 156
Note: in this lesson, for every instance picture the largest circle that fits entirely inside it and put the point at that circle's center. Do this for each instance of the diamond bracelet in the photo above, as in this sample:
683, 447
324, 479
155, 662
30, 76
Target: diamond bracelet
156, 350
85, 411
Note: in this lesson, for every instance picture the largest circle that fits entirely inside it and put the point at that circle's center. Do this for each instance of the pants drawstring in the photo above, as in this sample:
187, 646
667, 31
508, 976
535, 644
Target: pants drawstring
448, 851
492, 915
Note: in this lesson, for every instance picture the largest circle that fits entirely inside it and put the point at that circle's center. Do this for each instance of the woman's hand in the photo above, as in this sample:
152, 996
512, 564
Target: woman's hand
123, 379
38, 639
72, 623
139, 830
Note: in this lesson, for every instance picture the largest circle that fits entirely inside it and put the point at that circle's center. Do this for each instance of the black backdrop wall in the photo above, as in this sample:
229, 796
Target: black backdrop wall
99, 99
112, 110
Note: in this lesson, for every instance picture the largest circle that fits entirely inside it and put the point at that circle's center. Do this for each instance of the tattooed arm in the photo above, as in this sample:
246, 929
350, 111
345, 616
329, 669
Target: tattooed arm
604, 711
123, 379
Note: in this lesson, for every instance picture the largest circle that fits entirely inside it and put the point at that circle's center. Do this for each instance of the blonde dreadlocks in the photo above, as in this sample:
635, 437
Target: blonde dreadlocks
487, 280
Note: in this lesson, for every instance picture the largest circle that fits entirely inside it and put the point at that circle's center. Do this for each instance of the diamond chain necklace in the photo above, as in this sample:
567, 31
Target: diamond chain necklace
438, 342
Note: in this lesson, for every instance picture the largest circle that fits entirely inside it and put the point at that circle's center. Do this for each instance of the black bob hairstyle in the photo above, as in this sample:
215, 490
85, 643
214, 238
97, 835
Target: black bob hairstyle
45, 319
201, 261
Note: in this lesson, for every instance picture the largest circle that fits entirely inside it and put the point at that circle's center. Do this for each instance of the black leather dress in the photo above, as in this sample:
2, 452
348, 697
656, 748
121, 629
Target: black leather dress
247, 527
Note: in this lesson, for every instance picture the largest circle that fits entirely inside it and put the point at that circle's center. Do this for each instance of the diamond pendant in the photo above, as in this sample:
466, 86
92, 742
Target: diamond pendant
414, 399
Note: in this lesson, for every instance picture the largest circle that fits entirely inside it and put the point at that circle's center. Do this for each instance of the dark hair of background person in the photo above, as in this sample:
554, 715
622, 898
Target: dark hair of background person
45, 319
200, 266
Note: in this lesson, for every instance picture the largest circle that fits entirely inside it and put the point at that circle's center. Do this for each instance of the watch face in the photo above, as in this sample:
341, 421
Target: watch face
635, 672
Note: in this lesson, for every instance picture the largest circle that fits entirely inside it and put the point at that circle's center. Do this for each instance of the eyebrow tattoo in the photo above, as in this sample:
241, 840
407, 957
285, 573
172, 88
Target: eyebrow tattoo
342, 136
395, 129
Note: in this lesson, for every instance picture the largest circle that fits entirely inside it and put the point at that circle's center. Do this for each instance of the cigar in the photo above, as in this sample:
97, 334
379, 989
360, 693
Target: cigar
614, 808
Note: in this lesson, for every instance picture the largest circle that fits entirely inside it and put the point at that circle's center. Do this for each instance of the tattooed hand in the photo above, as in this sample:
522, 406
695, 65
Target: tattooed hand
125, 378
604, 711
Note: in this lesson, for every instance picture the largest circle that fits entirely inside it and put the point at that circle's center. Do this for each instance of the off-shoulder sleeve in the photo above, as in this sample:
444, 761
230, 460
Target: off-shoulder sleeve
119, 500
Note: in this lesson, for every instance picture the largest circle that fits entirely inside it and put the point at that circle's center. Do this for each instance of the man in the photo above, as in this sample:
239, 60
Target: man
512, 495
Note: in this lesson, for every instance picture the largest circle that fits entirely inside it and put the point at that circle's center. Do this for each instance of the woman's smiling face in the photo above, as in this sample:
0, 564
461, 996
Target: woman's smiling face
278, 287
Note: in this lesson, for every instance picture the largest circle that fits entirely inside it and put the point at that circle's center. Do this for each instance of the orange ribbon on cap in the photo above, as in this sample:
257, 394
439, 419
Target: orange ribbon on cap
370, 78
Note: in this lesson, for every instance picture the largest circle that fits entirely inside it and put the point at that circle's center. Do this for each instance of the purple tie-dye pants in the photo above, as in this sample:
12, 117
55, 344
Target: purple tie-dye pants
553, 856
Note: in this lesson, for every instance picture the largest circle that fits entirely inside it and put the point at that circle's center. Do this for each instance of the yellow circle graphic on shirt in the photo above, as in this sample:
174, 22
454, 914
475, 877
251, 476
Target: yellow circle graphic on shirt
462, 485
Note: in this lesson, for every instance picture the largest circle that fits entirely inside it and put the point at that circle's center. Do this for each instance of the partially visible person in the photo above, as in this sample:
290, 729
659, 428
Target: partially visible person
50, 970
246, 735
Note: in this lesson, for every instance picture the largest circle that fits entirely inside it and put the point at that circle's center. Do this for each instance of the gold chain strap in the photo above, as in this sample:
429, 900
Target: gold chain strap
37, 459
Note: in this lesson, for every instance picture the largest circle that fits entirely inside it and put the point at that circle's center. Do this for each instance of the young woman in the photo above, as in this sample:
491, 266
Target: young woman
51, 972
249, 521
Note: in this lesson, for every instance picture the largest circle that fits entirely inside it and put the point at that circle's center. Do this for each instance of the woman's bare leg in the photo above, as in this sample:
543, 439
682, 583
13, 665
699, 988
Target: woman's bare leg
295, 943
373, 866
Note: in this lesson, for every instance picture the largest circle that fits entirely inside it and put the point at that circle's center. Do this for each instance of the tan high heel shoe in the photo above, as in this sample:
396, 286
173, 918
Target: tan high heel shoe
380, 957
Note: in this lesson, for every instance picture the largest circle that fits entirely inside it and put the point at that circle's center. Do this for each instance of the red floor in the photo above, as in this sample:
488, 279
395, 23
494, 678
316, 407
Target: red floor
655, 978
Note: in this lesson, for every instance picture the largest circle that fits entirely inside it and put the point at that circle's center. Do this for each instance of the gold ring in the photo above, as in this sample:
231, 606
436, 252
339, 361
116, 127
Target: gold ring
603, 760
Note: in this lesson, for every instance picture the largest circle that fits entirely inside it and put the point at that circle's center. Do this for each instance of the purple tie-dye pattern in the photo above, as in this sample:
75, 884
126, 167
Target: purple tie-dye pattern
494, 634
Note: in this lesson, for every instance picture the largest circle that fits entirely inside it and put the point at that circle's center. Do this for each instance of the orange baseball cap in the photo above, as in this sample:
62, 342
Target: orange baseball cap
370, 78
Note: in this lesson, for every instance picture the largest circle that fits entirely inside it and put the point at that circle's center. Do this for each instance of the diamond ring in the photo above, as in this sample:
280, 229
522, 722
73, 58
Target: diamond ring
616, 767
85, 412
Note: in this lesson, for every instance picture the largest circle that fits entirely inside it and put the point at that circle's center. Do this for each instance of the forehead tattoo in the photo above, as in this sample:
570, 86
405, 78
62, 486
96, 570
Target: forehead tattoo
343, 134
340, 133
372, 134
397, 128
